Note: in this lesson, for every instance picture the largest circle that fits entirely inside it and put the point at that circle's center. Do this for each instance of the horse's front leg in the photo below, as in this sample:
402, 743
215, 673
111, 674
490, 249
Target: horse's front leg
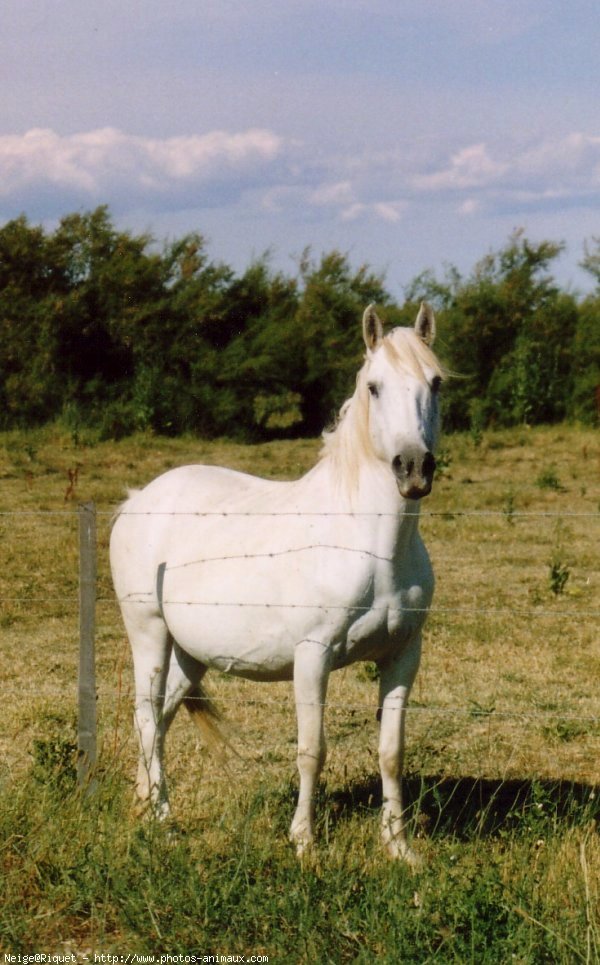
396, 680
311, 673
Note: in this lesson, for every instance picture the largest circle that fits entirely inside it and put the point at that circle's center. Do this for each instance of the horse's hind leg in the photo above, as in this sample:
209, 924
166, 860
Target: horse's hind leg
151, 649
311, 673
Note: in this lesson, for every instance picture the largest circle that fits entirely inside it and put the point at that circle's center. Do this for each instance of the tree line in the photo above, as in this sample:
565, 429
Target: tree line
100, 328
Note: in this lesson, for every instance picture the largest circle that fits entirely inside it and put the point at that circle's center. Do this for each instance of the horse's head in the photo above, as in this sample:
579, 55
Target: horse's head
403, 378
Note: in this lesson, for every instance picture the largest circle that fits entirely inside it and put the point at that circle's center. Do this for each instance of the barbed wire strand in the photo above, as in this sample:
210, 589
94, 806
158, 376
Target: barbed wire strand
477, 611
442, 514
474, 711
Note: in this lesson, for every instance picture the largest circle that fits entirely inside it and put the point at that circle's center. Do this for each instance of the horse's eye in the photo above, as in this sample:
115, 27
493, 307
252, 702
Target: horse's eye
373, 389
436, 384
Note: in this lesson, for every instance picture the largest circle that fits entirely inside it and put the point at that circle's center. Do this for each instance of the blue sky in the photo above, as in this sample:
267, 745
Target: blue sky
410, 135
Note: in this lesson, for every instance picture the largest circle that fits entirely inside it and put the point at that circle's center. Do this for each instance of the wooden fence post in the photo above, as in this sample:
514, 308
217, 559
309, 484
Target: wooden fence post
86, 731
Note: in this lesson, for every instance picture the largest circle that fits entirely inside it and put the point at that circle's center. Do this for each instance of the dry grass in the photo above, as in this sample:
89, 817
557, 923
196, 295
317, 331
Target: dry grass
507, 693
506, 685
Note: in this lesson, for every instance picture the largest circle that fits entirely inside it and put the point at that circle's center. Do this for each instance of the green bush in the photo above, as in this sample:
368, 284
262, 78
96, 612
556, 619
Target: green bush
98, 326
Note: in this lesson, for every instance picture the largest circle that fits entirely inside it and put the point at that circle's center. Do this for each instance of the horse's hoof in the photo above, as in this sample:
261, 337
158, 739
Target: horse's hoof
140, 808
143, 808
307, 854
401, 851
304, 845
174, 832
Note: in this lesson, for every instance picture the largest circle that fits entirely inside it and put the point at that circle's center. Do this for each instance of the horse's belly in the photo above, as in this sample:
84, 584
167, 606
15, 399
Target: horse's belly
248, 619
243, 641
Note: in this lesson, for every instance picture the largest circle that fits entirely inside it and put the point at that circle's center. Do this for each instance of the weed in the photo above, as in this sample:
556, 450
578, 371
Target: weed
54, 762
369, 670
443, 461
509, 506
566, 730
558, 574
478, 420
548, 479
479, 710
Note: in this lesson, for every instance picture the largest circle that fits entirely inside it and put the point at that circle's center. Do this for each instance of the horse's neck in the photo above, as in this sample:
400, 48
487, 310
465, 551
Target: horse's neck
373, 495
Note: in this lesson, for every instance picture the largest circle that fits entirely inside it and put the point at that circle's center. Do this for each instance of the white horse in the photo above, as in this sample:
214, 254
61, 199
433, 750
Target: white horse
291, 580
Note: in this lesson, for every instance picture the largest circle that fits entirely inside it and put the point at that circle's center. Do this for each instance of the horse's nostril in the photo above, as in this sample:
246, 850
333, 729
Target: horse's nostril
413, 464
429, 464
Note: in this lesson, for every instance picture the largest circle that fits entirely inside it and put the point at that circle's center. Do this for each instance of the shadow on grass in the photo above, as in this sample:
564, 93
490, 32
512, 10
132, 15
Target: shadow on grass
466, 807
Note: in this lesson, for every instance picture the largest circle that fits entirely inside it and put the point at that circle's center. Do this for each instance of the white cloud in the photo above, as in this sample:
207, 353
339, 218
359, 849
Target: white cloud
470, 167
339, 193
344, 198
47, 175
549, 171
470, 207
102, 163
391, 211
572, 156
476, 180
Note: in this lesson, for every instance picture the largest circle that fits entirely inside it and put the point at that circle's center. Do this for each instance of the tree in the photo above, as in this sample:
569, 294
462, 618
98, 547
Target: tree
30, 385
591, 259
100, 327
327, 333
261, 365
497, 334
585, 402
173, 351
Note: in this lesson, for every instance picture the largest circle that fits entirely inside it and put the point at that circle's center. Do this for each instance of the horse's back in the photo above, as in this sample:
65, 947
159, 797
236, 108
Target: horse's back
189, 508
196, 489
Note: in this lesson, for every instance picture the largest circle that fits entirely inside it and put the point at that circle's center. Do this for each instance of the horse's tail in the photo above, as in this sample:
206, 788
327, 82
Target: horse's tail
208, 719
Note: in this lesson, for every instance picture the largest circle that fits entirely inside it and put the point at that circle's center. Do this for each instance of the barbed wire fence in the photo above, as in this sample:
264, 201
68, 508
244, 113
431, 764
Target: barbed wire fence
88, 599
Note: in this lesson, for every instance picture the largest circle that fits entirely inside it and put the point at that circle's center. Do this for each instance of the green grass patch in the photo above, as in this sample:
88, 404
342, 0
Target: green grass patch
506, 875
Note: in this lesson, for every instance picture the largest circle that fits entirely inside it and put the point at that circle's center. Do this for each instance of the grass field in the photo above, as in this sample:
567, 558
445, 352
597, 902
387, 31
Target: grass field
503, 734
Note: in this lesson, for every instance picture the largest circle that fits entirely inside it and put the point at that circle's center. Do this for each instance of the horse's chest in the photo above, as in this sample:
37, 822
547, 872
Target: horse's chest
387, 626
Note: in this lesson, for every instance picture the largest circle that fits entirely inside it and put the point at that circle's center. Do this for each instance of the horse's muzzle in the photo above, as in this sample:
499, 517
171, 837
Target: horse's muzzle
414, 470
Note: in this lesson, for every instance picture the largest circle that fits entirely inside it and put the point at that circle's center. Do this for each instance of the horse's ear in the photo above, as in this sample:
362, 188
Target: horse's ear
425, 324
372, 328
